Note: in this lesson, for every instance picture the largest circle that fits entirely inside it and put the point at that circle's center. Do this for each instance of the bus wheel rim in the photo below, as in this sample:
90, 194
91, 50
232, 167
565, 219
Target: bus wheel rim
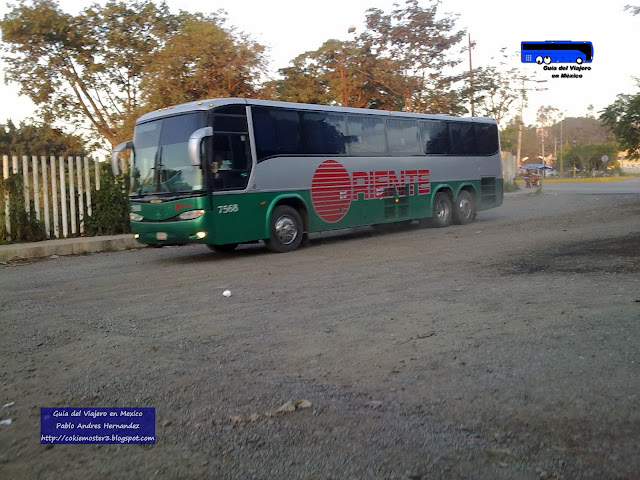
286, 230
465, 207
441, 209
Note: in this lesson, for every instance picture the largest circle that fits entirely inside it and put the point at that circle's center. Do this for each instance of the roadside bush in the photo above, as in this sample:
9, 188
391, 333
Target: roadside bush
25, 227
110, 205
615, 172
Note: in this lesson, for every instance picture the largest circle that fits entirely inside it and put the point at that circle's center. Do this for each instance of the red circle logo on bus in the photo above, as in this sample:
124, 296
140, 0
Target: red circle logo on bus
331, 191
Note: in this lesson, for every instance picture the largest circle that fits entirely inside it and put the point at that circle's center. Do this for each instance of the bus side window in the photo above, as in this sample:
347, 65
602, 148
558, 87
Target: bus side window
486, 138
403, 136
462, 138
276, 132
323, 133
435, 137
367, 135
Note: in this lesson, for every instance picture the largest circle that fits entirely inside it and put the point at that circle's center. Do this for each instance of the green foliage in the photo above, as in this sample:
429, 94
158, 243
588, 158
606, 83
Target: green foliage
395, 64
493, 92
25, 227
588, 157
110, 205
338, 73
415, 46
203, 60
110, 63
509, 137
84, 67
39, 139
571, 131
623, 118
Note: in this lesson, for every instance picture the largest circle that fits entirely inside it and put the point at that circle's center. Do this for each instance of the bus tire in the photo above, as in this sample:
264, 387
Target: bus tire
286, 230
578, 60
442, 210
464, 210
223, 248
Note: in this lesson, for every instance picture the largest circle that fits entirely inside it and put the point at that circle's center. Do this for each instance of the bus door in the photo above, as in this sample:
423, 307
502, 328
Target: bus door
229, 171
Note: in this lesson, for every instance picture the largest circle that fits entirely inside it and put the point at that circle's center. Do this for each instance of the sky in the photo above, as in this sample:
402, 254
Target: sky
291, 27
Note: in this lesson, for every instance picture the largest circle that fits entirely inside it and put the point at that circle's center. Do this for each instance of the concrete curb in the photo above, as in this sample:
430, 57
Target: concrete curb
67, 246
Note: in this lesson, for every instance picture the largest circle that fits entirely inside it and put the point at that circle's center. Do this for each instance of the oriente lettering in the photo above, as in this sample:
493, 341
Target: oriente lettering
381, 183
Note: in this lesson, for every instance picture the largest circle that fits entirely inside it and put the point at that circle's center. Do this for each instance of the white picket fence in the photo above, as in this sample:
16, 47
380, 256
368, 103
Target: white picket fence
59, 189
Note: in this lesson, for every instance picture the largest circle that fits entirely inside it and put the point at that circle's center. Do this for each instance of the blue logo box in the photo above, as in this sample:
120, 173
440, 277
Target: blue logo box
98, 425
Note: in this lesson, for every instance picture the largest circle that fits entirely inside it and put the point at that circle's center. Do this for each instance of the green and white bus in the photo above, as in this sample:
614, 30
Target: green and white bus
228, 171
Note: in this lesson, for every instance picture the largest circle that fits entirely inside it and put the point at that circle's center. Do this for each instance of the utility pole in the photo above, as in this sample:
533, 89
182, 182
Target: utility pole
519, 148
471, 79
561, 159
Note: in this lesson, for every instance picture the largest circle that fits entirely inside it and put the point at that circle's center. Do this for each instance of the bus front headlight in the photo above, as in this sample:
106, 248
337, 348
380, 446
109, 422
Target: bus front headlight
135, 217
191, 215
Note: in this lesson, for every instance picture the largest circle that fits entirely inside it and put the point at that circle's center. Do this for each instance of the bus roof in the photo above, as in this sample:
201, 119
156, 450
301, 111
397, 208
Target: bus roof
204, 105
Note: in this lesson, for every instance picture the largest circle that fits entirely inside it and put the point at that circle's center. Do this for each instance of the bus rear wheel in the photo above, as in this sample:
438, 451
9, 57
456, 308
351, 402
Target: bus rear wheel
223, 248
442, 210
464, 211
285, 229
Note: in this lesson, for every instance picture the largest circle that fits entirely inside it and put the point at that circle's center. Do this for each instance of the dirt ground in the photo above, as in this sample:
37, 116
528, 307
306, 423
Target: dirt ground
504, 349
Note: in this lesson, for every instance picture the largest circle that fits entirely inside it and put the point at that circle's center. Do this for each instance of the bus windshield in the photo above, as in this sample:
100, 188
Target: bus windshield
160, 162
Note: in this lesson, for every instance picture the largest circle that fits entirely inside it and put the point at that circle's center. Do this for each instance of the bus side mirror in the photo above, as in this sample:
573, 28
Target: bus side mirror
194, 144
114, 156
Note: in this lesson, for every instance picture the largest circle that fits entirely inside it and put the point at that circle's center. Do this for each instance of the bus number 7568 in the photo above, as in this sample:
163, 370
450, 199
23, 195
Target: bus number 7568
228, 208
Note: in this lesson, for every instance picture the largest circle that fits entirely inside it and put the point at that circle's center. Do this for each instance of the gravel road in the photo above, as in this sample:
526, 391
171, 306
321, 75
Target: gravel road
504, 349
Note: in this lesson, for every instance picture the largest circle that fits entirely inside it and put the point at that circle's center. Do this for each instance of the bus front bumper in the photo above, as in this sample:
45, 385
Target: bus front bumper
170, 233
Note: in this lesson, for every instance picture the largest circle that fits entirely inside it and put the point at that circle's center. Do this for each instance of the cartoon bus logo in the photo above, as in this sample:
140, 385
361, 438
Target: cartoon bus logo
556, 51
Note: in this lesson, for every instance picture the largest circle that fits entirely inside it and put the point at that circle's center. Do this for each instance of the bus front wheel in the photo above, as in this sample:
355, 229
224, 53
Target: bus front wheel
464, 211
286, 229
578, 60
442, 210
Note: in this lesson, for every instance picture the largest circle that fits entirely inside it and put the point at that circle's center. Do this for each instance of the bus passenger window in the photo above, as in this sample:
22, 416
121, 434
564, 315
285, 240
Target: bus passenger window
323, 133
463, 140
487, 138
435, 137
402, 136
276, 132
366, 135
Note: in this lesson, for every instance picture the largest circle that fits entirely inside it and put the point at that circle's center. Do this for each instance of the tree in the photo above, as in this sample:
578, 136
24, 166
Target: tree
493, 92
203, 60
589, 157
86, 67
623, 119
509, 140
314, 76
494, 88
39, 139
338, 73
104, 66
396, 64
414, 47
